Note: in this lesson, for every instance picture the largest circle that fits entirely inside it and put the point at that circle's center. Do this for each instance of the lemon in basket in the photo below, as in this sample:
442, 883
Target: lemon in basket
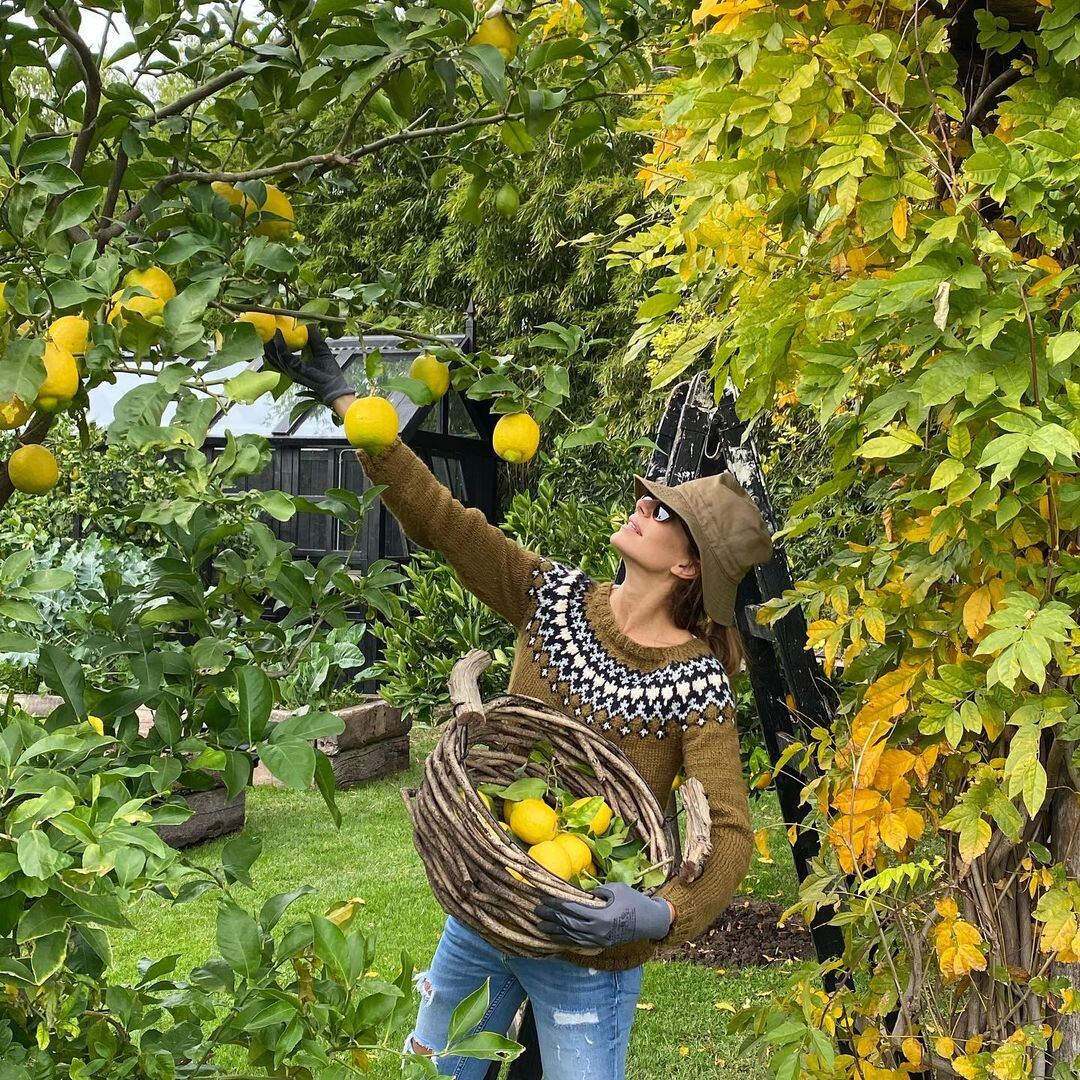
534, 821
601, 821
578, 852
508, 809
552, 856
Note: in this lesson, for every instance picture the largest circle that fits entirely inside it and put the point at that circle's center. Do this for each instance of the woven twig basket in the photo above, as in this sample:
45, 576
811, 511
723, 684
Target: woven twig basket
465, 852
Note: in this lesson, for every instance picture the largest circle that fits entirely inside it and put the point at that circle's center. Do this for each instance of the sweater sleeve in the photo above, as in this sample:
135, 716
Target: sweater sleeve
491, 565
711, 753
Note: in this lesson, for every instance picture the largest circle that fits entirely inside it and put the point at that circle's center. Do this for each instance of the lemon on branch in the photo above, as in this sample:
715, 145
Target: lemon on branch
61, 378
32, 469
230, 194
432, 372
154, 280
265, 324
534, 821
13, 414
294, 333
495, 29
69, 332
507, 200
371, 423
151, 308
277, 218
516, 437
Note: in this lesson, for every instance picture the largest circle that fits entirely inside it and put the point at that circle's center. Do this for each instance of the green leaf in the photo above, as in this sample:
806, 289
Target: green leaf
75, 209
64, 676
37, 857
239, 940
488, 1046
468, 1013
308, 726
330, 946
291, 761
658, 304
256, 701
529, 787
237, 857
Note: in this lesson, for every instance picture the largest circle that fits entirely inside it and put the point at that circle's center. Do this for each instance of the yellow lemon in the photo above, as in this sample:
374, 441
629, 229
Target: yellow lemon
150, 308
677, 782
763, 780
265, 324
13, 414
514, 874
32, 469
432, 372
485, 798
534, 821
278, 218
601, 821
154, 280
516, 437
578, 852
3, 302
70, 332
294, 333
552, 857
229, 193
508, 809
61, 378
496, 30
371, 423
97, 724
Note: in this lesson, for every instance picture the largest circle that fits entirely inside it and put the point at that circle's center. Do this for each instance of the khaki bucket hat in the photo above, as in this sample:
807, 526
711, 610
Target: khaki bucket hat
730, 533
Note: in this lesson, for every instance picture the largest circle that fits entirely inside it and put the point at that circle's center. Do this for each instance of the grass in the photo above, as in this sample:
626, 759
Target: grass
682, 1036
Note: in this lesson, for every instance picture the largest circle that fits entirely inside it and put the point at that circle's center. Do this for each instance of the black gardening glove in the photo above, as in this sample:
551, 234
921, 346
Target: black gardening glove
629, 916
316, 368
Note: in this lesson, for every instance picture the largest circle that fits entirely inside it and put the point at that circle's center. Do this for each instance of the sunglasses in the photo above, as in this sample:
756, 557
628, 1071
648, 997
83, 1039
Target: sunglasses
659, 511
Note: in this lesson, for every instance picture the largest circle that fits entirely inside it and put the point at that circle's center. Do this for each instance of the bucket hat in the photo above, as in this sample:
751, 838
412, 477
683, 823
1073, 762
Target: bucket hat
730, 533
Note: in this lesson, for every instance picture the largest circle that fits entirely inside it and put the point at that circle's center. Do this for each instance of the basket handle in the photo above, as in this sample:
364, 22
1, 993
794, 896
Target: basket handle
465, 695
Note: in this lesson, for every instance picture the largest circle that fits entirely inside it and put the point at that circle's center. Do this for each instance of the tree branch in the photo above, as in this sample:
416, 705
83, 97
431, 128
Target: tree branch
82, 55
981, 105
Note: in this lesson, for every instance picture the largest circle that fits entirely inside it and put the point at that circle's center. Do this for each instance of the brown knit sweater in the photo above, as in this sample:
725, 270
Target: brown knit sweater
661, 705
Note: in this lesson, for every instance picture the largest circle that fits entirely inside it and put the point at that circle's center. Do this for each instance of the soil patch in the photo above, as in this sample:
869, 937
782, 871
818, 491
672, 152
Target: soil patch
747, 935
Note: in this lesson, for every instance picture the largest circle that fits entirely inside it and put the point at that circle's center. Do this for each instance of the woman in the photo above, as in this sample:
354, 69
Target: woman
646, 665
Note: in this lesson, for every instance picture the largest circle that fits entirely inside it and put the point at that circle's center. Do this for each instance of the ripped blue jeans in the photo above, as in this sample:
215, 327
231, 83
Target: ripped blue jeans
583, 1015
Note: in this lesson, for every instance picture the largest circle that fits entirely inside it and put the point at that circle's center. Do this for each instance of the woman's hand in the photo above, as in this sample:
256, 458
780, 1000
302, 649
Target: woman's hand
316, 368
629, 916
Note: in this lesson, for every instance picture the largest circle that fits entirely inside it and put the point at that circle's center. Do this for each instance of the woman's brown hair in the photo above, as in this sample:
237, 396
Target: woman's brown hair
687, 607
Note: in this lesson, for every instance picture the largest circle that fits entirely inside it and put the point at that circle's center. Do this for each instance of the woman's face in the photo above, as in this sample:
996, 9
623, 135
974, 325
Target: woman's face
652, 544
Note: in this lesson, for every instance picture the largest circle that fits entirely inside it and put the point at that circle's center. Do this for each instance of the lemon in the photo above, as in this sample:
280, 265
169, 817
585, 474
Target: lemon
371, 423
278, 215
265, 324
13, 414
763, 780
514, 874
496, 30
552, 857
32, 469
295, 334
149, 307
485, 798
70, 332
507, 200
601, 821
508, 809
504, 826
154, 280
432, 372
229, 193
577, 851
534, 821
677, 782
61, 378
516, 437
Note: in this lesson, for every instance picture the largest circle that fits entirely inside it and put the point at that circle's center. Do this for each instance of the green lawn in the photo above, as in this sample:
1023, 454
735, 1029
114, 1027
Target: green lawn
372, 856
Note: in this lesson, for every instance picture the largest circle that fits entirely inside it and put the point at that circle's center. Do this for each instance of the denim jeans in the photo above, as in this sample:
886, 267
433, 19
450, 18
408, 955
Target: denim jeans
582, 1015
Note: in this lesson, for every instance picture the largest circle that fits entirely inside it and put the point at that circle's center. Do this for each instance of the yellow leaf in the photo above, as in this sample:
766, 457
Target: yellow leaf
761, 842
900, 217
976, 610
945, 1047
684, 1050
874, 621
645, 1006
912, 1050
97, 724
361, 1060
893, 831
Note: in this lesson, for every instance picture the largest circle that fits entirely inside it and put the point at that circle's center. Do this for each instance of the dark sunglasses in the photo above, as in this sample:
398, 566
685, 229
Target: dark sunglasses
660, 511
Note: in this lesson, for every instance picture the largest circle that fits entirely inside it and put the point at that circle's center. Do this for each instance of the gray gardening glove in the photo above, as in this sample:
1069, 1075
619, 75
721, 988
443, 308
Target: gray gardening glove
315, 368
629, 916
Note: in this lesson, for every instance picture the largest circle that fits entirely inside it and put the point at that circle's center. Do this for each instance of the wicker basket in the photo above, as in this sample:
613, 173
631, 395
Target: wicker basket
465, 852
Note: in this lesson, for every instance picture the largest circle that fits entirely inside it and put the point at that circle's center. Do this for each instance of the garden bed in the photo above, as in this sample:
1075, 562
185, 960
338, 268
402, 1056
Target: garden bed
747, 935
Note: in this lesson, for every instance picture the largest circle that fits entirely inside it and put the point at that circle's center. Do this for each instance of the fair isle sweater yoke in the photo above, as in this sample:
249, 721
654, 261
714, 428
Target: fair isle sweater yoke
663, 706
